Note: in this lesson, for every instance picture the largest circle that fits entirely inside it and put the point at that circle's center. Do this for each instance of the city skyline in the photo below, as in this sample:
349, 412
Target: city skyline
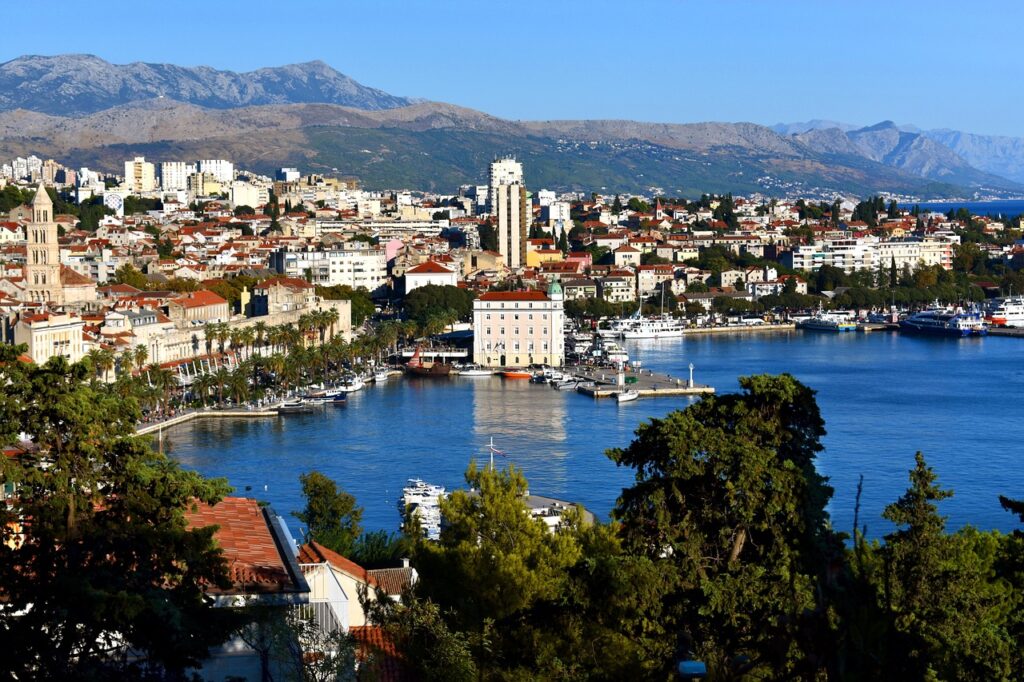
670, 62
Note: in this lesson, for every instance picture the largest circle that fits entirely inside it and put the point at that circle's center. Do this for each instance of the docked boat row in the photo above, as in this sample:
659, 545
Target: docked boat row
421, 501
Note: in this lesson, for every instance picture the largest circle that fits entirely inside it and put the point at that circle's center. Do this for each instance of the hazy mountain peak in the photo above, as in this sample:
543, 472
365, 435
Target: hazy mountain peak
80, 84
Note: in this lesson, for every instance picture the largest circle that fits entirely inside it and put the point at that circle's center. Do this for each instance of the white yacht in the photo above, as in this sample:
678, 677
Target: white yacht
422, 500
663, 326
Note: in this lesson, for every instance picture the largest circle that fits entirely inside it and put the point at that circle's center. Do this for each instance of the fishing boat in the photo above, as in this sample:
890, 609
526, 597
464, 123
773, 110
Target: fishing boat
939, 321
626, 396
417, 367
294, 407
1006, 312
351, 384
340, 400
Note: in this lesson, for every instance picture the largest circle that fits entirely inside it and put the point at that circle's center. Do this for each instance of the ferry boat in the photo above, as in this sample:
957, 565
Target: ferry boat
945, 322
662, 327
1007, 312
823, 322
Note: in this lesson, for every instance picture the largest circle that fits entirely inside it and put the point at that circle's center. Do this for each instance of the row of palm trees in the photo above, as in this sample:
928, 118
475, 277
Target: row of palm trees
259, 361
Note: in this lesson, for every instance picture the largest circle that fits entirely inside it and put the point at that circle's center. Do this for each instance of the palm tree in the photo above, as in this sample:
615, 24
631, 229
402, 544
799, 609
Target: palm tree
260, 331
238, 385
221, 378
331, 318
138, 357
202, 385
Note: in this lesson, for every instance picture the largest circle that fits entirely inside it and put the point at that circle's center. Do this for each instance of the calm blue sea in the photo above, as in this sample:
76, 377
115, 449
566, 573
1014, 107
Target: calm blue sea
1007, 207
883, 395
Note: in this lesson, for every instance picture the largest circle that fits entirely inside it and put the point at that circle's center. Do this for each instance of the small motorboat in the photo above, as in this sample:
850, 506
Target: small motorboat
294, 407
626, 396
474, 371
340, 400
517, 374
381, 375
567, 385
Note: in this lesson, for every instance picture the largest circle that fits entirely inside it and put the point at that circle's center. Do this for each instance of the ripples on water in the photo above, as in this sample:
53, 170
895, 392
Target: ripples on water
883, 396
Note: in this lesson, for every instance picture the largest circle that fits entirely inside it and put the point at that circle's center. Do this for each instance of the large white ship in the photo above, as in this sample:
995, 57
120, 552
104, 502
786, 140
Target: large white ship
1006, 312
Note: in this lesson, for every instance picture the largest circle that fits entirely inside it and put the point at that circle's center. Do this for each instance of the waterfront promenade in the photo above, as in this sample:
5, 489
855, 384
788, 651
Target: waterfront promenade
206, 413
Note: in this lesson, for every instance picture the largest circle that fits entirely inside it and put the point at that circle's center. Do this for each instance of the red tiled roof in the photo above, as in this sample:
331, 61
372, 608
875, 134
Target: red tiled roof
392, 580
429, 268
290, 282
315, 553
197, 299
243, 533
514, 296
378, 657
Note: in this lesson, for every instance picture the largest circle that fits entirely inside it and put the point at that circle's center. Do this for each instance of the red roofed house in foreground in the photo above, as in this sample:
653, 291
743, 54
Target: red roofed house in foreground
519, 328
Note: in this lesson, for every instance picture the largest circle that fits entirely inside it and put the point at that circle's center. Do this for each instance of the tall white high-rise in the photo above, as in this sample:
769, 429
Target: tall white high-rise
139, 175
221, 170
174, 175
508, 204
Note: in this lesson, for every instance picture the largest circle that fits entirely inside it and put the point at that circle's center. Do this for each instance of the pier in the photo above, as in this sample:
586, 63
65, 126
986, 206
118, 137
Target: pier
202, 414
647, 383
737, 328
1016, 332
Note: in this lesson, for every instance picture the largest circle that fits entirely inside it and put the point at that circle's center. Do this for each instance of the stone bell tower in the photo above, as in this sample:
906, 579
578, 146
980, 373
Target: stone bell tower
42, 272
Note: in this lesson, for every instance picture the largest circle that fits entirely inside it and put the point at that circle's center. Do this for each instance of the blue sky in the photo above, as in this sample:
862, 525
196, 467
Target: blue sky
935, 64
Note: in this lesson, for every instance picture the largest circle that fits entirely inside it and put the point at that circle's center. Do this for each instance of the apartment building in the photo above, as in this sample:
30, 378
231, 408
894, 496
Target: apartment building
355, 264
519, 328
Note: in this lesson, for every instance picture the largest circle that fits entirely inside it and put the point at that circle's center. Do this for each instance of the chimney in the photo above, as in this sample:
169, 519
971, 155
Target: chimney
405, 562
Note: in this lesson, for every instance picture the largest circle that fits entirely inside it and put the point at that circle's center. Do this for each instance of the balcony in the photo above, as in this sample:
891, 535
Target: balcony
328, 604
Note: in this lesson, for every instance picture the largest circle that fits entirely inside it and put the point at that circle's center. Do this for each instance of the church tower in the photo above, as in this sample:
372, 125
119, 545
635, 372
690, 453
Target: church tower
42, 273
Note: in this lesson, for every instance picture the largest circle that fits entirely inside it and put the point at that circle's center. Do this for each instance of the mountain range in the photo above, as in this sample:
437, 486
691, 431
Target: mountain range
88, 112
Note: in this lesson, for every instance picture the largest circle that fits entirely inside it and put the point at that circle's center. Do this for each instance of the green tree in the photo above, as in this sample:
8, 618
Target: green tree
950, 616
488, 236
126, 274
728, 502
362, 303
95, 553
428, 301
331, 515
494, 560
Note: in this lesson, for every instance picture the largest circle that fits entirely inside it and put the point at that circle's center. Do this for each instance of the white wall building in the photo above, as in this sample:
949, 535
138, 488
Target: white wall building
519, 328
221, 170
139, 175
174, 175
357, 264
429, 273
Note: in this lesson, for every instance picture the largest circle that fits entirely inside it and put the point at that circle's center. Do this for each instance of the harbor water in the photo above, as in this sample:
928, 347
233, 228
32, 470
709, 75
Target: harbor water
883, 396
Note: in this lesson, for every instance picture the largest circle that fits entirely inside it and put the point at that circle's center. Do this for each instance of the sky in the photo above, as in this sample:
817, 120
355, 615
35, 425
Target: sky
945, 64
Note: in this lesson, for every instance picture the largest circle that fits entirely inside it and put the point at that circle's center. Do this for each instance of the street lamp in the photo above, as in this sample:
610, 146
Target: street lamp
691, 375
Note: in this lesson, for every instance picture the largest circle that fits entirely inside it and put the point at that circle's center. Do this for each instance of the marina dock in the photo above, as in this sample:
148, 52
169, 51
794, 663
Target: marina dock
647, 383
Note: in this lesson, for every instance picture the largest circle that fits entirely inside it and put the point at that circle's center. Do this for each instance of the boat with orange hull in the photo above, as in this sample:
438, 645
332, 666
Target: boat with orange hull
516, 374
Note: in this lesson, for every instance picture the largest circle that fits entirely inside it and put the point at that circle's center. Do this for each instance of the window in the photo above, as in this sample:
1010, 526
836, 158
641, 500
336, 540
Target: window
487, 331
502, 331
530, 316
515, 331
545, 331
545, 346
530, 331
